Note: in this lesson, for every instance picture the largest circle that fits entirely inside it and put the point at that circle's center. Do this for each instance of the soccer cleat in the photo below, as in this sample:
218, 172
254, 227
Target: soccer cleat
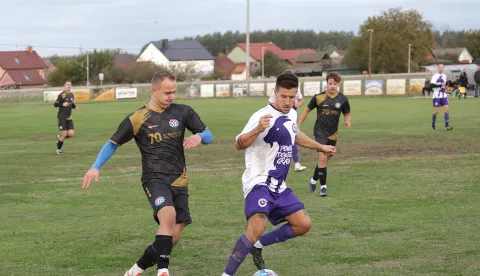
128, 273
323, 191
299, 168
313, 187
449, 128
58, 151
257, 258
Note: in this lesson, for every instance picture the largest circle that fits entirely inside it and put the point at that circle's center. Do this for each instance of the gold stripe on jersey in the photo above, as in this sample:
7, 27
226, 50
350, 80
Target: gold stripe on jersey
149, 194
320, 98
334, 136
138, 118
182, 181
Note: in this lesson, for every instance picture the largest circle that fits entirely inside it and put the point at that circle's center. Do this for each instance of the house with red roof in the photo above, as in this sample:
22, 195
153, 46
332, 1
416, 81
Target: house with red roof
22, 68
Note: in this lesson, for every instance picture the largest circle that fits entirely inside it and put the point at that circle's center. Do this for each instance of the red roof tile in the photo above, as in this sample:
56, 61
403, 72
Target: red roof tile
21, 60
256, 49
291, 55
224, 65
25, 77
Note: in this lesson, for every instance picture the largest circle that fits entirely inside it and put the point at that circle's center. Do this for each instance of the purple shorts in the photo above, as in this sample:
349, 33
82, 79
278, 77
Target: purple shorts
440, 102
277, 206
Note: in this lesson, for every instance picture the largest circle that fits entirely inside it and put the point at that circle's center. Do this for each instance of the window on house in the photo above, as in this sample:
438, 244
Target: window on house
26, 77
16, 60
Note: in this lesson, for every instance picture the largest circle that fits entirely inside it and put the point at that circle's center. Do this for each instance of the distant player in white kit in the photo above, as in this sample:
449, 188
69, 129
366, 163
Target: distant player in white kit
268, 138
298, 103
440, 97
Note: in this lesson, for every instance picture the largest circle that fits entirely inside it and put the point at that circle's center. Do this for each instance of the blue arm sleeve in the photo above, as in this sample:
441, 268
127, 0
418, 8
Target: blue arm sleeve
105, 153
207, 136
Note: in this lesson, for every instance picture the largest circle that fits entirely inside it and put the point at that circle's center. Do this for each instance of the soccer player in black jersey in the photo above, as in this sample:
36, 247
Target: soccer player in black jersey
159, 129
329, 104
65, 103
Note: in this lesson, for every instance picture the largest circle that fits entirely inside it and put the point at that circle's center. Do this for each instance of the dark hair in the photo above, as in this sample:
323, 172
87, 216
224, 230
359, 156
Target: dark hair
161, 76
335, 76
287, 81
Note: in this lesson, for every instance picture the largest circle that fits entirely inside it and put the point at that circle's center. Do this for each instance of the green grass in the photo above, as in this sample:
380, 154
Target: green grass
402, 200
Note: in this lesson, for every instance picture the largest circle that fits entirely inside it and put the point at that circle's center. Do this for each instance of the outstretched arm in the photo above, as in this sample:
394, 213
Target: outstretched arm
303, 140
105, 153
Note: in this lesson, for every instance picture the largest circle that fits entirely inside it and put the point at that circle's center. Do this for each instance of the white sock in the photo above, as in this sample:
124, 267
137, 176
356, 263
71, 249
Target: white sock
313, 181
258, 244
323, 186
297, 164
163, 270
136, 270
225, 274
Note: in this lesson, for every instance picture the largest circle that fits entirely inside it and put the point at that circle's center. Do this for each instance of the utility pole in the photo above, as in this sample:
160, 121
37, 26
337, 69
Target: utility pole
247, 64
88, 71
409, 56
370, 53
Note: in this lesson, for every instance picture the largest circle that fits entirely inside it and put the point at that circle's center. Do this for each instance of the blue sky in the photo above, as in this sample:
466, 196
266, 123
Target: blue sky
130, 24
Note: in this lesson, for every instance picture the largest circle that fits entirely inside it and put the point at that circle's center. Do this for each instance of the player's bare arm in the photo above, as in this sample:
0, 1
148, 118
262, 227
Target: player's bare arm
304, 141
348, 123
246, 140
303, 116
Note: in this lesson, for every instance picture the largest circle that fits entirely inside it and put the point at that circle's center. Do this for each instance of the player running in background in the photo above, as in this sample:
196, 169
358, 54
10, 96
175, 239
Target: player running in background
159, 129
440, 97
329, 104
268, 138
65, 102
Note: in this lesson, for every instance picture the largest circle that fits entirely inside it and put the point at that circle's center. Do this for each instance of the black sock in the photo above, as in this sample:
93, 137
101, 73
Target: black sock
59, 144
148, 258
315, 173
163, 248
322, 175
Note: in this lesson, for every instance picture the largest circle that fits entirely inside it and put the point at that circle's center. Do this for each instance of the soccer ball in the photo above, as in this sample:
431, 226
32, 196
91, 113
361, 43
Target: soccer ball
265, 272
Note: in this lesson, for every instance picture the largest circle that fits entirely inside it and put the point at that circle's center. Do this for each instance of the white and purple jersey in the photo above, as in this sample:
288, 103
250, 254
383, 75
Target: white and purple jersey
267, 160
439, 92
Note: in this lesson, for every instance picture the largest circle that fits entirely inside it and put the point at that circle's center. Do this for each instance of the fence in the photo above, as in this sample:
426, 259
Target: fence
355, 85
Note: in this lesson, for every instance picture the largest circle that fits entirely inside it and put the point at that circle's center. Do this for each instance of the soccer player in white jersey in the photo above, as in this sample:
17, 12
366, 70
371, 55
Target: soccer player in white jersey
440, 97
298, 103
268, 138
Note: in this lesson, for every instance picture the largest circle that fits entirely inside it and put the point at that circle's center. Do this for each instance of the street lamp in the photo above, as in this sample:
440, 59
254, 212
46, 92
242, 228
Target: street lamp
247, 64
409, 56
263, 62
370, 53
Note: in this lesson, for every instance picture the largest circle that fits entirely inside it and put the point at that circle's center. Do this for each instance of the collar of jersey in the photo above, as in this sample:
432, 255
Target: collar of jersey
159, 111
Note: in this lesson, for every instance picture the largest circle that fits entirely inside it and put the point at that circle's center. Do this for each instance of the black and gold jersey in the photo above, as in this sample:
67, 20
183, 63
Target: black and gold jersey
160, 136
328, 113
65, 112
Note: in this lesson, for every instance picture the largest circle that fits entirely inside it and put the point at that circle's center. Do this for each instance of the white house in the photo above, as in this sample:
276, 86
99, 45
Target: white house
178, 53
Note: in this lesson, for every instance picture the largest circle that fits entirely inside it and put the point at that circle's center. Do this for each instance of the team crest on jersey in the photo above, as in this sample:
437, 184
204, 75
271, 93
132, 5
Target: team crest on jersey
159, 201
337, 105
173, 123
294, 128
262, 202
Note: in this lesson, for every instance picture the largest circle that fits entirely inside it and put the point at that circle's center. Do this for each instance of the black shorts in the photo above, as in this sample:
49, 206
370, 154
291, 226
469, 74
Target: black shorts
160, 195
64, 124
325, 141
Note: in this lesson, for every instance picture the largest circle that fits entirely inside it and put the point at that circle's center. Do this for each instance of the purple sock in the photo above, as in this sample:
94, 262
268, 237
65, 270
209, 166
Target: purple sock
281, 234
446, 116
240, 251
434, 118
295, 153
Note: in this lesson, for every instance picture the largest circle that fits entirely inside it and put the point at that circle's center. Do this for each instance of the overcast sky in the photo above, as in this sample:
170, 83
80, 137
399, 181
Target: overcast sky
129, 24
